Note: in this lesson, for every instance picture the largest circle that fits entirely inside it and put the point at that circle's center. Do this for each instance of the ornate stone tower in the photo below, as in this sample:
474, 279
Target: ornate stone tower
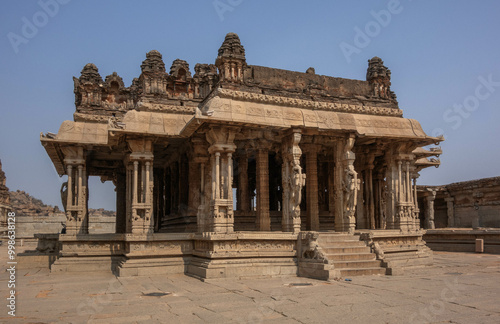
231, 59
88, 87
153, 78
379, 76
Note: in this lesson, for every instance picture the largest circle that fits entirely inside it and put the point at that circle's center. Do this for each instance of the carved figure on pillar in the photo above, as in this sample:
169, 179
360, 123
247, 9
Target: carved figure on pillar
64, 195
298, 181
383, 206
351, 186
293, 181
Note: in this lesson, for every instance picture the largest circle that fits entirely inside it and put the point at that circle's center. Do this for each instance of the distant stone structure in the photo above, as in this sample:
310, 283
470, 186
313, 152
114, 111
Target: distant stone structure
467, 204
35, 217
221, 173
4, 199
460, 214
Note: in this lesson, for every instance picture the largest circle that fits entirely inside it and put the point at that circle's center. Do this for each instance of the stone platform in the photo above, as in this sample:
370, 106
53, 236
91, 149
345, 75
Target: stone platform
319, 255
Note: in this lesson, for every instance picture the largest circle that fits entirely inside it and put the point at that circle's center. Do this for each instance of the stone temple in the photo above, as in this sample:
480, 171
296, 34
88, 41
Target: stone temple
241, 170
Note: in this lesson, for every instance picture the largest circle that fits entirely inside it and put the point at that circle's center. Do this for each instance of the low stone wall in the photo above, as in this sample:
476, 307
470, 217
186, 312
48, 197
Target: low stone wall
28, 226
102, 224
463, 240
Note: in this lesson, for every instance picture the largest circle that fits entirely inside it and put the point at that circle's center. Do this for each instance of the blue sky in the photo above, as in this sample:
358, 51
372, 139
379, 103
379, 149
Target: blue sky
444, 58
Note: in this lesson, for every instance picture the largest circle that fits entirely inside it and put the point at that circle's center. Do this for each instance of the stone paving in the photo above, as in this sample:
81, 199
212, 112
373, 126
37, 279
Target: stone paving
458, 288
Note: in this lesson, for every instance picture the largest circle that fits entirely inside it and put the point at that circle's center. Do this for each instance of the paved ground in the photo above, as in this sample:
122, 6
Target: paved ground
459, 288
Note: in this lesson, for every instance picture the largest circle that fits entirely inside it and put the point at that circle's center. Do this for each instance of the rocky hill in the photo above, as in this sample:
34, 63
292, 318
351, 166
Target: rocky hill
23, 204
4, 191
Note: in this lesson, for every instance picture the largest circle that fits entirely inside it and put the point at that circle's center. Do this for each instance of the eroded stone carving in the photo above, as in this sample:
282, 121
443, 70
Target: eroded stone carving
379, 77
312, 250
293, 181
301, 103
351, 187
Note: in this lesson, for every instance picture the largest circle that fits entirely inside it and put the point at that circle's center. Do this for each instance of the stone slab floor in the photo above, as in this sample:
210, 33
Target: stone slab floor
458, 288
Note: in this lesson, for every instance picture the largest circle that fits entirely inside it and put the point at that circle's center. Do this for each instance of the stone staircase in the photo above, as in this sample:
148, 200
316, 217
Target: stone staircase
349, 256
343, 256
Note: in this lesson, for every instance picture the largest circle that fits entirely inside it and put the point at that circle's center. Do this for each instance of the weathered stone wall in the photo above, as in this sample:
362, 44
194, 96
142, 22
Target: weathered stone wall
35, 217
99, 224
465, 204
28, 226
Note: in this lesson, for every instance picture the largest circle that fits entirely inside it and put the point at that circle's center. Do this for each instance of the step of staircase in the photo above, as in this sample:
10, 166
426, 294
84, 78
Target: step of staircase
327, 238
351, 257
346, 249
338, 244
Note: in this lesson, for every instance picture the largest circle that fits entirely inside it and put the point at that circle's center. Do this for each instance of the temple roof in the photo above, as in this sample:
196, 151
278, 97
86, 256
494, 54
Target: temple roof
174, 105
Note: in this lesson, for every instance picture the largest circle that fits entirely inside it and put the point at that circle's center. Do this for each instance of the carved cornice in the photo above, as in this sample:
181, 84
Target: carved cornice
166, 108
307, 104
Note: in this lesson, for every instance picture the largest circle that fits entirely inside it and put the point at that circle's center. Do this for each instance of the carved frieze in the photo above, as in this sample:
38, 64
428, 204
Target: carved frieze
301, 103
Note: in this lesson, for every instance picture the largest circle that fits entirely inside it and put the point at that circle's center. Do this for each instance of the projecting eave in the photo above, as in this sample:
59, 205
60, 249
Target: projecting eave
433, 151
422, 163
73, 133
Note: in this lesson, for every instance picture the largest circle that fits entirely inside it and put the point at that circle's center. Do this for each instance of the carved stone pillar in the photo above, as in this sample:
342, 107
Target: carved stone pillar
121, 202
199, 194
347, 186
311, 151
370, 193
194, 186
221, 204
140, 179
382, 193
362, 219
331, 188
183, 183
416, 210
402, 208
77, 221
429, 209
263, 220
243, 196
292, 180
450, 211
402, 200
